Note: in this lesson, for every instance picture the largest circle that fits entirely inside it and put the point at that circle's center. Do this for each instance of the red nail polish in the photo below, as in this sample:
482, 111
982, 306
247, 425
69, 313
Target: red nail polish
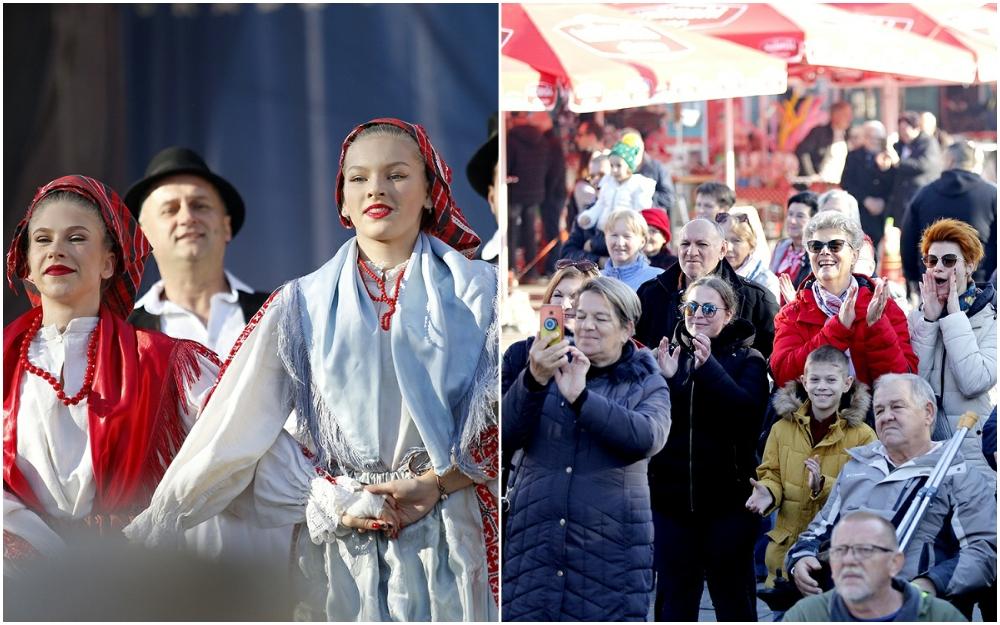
376, 526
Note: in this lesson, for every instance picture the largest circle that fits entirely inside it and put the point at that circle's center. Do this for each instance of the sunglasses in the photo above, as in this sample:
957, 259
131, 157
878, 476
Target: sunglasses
834, 246
721, 218
948, 260
583, 265
707, 309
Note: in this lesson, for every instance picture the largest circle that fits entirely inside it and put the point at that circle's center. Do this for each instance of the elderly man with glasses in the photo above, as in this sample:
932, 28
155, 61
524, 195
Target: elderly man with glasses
865, 560
953, 553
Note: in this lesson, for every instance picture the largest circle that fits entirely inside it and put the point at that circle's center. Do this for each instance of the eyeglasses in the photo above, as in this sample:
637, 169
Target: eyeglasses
583, 265
834, 246
721, 218
948, 260
689, 309
861, 552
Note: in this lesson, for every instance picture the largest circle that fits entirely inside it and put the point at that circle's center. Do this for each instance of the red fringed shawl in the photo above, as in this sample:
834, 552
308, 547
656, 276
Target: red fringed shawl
133, 406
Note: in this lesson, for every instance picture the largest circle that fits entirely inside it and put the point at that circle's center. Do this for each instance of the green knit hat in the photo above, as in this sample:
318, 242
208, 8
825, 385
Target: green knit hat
628, 153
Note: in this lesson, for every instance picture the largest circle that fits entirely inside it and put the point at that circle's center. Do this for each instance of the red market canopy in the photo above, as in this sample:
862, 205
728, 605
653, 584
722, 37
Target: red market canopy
818, 40
971, 27
607, 60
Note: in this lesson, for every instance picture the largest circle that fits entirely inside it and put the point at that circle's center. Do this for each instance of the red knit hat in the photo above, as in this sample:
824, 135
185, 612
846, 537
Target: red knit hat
658, 218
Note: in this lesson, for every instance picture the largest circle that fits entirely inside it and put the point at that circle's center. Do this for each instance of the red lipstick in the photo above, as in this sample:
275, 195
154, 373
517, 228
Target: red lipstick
378, 211
58, 270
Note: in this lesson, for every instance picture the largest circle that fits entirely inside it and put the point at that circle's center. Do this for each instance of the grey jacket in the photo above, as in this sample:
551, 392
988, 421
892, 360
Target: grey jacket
955, 545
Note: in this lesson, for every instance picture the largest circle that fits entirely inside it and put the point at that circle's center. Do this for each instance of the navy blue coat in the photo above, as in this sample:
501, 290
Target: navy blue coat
579, 541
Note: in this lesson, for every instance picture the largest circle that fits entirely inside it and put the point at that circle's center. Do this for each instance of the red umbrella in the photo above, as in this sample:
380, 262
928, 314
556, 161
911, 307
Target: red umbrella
965, 26
607, 60
817, 39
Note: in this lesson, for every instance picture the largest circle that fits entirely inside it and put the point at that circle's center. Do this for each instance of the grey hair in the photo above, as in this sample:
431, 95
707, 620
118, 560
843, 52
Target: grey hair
876, 125
920, 389
835, 220
835, 197
860, 516
714, 224
620, 296
633, 219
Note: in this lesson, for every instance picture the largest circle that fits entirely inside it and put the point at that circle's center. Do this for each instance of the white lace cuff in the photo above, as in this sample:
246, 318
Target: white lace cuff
328, 501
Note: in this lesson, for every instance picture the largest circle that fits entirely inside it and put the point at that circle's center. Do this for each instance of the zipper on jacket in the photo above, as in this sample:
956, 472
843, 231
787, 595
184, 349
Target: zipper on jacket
691, 448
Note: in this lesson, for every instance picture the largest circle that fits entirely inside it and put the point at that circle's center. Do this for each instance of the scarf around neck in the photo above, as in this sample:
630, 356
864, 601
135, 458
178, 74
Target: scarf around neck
828, 302
444, 347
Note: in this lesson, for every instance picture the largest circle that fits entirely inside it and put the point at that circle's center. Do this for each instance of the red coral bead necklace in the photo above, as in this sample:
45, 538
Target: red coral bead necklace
383, 294
54, 382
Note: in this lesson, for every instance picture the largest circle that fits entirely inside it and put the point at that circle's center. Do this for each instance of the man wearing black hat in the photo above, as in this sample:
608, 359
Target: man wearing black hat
189, 214
482, 174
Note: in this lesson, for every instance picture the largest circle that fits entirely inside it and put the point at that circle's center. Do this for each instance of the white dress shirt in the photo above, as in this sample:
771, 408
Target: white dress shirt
225, 317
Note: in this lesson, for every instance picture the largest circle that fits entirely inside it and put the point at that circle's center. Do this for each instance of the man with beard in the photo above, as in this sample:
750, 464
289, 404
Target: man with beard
866, 561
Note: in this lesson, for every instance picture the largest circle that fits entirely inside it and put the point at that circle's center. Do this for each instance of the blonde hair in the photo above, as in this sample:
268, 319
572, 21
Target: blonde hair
632, 219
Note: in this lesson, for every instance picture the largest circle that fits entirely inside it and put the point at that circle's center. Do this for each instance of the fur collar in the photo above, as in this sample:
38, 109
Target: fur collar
853, 405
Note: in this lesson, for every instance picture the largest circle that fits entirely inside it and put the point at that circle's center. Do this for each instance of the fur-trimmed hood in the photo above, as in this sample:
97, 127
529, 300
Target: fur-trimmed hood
854, 404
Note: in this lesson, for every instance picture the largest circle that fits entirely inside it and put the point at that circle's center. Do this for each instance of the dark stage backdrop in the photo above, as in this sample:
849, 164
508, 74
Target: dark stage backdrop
266, 93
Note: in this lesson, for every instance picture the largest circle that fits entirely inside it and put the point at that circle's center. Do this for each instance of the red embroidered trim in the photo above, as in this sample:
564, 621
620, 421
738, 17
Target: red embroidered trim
486, 452
17, 548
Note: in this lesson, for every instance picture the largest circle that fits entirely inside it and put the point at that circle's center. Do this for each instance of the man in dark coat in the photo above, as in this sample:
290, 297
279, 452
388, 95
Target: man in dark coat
664, 195
823, 150
960, 194
555, 195
702, 251
527, 164
868, 177
917, 162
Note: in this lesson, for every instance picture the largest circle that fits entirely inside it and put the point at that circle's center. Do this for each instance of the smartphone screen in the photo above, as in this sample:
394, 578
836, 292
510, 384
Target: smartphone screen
551, 323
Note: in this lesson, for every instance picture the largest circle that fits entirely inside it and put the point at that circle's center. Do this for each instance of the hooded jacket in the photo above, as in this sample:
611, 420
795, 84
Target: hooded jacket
958, 357
716, 414
579, 541
802, 326
783, 471
917, 606
955, 543
957, 194
661, 297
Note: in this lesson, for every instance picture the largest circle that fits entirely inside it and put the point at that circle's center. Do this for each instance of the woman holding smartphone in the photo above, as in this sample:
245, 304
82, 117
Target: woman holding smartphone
388, 355
588, 417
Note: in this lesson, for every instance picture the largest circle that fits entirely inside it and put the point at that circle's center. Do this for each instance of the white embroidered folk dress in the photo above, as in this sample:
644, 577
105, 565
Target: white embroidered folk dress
435, 570
53, 439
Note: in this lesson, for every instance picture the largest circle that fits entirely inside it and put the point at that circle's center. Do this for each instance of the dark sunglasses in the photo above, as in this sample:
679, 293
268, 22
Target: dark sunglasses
707, 309
721, 218
583, 265
834, 246
948, 260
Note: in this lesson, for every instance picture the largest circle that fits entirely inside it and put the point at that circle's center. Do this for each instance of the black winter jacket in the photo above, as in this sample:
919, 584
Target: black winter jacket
716, 413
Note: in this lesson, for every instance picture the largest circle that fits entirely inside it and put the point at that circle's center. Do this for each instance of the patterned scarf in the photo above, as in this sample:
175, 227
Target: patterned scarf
130, 245
791, 262
827, 301
449, 223
967, 299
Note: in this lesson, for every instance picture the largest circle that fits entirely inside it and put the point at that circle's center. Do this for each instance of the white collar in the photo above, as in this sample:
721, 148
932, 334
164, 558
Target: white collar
153, 300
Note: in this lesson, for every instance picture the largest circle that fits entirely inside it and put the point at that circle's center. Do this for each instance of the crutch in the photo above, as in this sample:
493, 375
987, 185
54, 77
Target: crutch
908, 526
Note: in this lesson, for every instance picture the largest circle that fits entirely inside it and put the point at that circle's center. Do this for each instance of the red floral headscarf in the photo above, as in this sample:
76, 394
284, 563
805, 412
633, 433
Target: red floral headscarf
131, 246
449, 223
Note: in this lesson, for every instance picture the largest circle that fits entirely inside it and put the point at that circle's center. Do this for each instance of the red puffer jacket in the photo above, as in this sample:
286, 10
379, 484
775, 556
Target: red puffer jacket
801, 326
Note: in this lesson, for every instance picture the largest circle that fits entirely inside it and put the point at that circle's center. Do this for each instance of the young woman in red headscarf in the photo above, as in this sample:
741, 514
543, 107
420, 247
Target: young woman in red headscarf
389, 356
94, 409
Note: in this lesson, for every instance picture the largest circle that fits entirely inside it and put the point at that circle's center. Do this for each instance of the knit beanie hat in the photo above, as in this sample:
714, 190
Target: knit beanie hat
628, 153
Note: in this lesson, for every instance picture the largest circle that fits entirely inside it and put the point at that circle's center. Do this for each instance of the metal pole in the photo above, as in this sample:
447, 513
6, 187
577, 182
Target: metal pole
730, 155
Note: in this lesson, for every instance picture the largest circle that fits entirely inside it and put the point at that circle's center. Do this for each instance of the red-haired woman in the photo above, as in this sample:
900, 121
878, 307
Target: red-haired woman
954, 333
94, 409
389, 356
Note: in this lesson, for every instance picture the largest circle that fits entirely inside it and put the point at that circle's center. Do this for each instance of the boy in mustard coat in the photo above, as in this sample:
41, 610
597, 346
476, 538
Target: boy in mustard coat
807, 448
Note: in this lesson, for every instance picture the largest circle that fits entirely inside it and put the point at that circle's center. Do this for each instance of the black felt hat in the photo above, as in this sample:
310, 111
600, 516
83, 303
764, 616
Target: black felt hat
479, 171
177, 160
